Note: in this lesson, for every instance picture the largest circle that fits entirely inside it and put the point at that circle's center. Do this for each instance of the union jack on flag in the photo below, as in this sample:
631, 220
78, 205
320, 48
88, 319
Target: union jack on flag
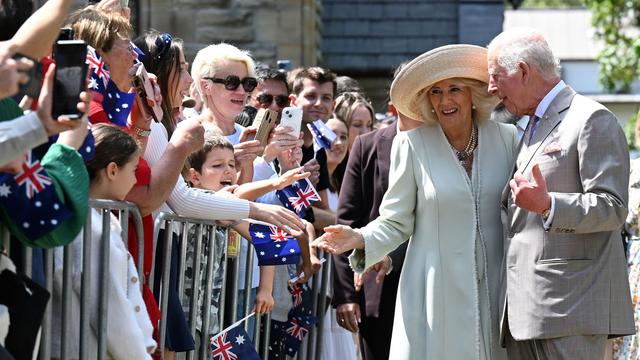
296, 294
99, 75
298, 196
238, 347
297, 330
31, 175
278, 235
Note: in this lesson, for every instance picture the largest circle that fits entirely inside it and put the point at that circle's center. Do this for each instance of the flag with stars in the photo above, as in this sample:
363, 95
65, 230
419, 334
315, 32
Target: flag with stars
98, 73
322, 135
30, 200
233, 344
298, 197
273, 245
116, 104
297, 328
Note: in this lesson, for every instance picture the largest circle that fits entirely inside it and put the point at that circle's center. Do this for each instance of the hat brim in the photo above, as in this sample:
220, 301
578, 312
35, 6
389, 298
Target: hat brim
445, 62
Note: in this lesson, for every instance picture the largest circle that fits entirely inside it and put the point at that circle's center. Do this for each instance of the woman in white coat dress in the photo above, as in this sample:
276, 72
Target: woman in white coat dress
444, 192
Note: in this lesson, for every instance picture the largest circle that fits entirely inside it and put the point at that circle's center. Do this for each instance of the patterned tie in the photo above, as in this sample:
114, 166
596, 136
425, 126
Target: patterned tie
531, 128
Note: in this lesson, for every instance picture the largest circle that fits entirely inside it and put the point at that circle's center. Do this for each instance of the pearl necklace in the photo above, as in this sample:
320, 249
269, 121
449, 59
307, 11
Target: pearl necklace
465, 155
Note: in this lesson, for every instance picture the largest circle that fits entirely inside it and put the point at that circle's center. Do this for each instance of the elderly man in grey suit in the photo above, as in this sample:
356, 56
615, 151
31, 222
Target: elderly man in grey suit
565, 287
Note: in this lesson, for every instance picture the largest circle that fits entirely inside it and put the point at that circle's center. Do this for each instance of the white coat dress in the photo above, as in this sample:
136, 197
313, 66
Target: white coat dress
448, 294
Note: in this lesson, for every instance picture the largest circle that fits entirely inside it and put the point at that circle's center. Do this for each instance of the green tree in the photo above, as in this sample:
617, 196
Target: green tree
616, 24
557, 4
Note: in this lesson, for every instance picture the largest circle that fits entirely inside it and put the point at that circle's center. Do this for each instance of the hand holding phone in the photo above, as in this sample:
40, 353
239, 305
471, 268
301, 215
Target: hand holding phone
144, 88
33, 70
70, 77
265, 122
292, 118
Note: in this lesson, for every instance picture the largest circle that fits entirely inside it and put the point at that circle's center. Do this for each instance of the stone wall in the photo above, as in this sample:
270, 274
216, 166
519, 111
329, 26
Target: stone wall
270, 29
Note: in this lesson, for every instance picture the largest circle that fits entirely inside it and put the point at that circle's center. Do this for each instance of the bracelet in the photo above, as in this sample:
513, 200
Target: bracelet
141, 132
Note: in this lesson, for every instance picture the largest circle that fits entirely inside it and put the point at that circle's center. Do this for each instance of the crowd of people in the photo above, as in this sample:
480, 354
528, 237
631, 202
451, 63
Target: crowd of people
454, 235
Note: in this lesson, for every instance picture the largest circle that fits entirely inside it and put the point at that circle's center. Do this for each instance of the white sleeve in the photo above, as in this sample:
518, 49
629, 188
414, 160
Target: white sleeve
189, 202
19, 135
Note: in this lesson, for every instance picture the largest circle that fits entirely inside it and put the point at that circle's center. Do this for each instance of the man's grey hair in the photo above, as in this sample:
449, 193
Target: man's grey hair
526, 45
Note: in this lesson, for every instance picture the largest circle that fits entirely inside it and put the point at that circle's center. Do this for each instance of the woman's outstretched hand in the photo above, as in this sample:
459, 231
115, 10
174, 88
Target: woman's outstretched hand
338, 239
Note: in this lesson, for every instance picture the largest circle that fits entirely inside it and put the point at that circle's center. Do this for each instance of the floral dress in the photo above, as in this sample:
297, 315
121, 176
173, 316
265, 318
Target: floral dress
628, 347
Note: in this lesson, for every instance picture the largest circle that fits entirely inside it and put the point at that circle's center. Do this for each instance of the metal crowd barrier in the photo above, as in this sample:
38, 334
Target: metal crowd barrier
106, 207
310, 349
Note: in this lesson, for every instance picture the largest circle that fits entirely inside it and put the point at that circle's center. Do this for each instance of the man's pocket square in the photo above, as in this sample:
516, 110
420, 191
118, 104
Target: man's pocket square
551, 148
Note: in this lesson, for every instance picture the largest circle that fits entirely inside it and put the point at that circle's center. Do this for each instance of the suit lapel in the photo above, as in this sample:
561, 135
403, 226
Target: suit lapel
548, 123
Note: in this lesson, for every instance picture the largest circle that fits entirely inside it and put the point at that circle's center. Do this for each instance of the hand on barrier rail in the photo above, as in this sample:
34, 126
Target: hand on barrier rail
264, 301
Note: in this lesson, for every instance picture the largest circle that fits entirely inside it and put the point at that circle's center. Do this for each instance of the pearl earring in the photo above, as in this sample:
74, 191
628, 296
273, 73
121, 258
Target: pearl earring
473, 107
433, 111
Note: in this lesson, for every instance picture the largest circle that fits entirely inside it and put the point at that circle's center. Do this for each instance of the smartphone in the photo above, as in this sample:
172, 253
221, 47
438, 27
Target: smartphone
70, 78
265, 122
143, 86
292, 117
65, 34
32, 87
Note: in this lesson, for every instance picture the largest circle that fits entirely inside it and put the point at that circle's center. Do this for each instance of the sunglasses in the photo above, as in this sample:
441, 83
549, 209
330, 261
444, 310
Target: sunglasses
232, 82
266, 100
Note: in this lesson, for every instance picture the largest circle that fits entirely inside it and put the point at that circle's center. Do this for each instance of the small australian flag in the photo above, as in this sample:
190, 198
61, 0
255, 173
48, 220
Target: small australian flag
273, 245
233, 344
30, 199
298, 197
322, 135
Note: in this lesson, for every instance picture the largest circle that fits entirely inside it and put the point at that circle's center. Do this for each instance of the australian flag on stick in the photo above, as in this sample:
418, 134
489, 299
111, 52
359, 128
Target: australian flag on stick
322, 135
30, 199
233, 344
273, 245
298, 197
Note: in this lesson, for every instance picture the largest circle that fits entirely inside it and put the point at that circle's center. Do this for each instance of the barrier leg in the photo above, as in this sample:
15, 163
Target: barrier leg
103, 304
85, 291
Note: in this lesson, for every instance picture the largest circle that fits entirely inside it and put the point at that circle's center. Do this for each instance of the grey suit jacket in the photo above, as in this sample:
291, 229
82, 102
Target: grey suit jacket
571, 279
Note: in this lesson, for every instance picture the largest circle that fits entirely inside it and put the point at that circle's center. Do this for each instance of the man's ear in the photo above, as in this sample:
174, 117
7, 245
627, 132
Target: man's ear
111, 170
293, 99
526, 71
194, 177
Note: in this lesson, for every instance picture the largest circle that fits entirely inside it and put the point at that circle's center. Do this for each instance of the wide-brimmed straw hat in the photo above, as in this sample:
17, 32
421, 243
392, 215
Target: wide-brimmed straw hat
445, 62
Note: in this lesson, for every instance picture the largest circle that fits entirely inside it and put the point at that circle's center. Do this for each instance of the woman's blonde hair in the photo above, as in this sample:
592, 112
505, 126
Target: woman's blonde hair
483, 101
98, 28
209, 60
346, 105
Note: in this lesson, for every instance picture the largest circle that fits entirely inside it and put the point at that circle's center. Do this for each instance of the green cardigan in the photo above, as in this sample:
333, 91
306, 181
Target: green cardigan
66, 169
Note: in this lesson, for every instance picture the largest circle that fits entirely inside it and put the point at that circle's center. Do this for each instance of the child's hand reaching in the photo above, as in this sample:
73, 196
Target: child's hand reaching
290, 177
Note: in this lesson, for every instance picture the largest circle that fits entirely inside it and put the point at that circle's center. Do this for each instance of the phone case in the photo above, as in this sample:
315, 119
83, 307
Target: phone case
292, 117
264, 122
143, 87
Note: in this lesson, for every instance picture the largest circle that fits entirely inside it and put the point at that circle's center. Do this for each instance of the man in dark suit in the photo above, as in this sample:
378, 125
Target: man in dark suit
365, 181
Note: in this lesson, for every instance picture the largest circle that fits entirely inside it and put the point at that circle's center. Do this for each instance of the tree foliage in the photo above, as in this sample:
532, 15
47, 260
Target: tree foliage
556, 4
616, 23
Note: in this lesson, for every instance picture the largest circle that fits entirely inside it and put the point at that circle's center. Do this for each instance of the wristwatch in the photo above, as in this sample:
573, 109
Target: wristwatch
141, 132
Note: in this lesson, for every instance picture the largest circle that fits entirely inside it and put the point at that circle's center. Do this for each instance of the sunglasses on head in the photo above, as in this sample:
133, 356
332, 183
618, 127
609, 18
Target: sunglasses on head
232, 82
267, 99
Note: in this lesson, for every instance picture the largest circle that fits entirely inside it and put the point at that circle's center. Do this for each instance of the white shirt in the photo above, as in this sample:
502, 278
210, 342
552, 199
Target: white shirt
540, 110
